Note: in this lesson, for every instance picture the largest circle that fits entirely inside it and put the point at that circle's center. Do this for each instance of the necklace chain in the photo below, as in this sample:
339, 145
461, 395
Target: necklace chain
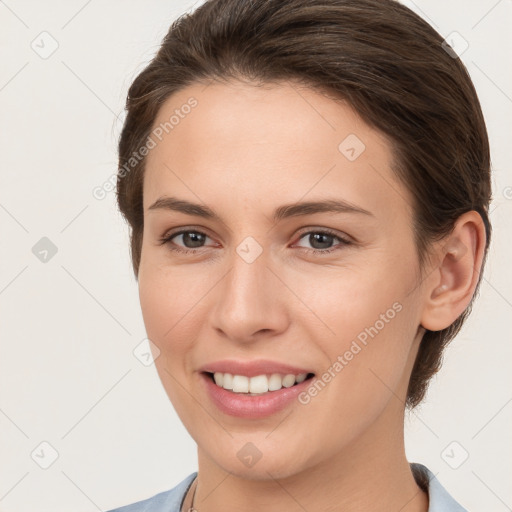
193, 497
191, 508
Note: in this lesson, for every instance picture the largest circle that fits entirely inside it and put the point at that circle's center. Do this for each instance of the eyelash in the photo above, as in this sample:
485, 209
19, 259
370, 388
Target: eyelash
166, 239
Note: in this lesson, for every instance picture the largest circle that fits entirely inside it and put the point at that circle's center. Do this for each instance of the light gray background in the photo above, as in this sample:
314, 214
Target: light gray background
68, 375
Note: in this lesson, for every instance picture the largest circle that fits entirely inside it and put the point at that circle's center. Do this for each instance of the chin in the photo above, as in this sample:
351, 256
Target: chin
257, 460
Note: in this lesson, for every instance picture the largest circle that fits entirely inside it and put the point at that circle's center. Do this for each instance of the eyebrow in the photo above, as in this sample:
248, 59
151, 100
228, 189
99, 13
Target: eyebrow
280, 213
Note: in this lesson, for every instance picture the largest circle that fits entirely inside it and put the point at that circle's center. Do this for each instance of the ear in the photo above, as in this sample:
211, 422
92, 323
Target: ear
452, 282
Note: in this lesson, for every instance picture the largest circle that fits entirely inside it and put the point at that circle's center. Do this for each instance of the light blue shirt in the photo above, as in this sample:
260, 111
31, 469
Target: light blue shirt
172, 500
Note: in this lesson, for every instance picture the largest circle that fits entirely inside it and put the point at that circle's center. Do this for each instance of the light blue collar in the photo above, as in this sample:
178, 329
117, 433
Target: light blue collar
172, 500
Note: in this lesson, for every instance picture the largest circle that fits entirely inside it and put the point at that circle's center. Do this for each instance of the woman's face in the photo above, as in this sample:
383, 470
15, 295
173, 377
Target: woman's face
254, 289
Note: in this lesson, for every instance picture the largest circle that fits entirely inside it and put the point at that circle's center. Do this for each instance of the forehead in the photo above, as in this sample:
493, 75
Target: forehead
267, 142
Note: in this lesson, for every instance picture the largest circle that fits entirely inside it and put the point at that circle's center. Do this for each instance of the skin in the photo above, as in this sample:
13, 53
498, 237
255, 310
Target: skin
244, 151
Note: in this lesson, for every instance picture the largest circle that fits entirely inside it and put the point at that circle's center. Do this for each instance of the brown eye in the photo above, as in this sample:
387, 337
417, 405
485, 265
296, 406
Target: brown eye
322, 241
191, 240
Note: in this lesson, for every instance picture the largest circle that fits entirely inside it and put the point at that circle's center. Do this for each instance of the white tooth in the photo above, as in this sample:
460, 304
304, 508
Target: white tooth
218, 377
240, 384
289, 380
258, 384
275, 382
227, 381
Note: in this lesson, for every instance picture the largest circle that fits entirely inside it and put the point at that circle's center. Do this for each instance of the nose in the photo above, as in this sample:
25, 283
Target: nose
249, 302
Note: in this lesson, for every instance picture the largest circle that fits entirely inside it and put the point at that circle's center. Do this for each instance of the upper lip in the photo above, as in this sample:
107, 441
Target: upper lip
252, 368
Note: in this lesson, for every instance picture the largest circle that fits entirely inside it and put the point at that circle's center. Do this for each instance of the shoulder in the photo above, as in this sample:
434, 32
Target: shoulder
439, 498
167, 501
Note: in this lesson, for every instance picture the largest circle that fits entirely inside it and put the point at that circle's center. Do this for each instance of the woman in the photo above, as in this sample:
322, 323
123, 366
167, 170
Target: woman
307, 185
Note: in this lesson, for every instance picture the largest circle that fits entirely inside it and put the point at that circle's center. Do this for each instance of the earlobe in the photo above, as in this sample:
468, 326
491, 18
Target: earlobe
451, 284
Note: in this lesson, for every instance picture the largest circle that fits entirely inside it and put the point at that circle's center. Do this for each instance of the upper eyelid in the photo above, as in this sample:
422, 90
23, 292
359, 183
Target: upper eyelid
328, 231
180, 231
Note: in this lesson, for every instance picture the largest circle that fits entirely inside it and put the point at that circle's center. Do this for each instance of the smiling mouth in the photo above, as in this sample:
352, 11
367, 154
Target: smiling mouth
259, 385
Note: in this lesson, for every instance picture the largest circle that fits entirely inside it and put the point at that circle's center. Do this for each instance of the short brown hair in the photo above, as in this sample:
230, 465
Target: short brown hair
384, 60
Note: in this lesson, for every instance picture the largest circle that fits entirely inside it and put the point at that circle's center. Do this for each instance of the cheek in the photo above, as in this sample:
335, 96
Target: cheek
366, 360
346, 301
168, 302
364, 322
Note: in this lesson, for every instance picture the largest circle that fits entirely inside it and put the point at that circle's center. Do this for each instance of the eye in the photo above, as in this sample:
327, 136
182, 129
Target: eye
191, 238
323, 240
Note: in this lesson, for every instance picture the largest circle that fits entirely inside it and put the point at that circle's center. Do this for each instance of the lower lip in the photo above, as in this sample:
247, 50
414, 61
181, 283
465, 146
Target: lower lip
244, 406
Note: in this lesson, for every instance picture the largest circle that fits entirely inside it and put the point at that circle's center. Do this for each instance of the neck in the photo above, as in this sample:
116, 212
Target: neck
371, 474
